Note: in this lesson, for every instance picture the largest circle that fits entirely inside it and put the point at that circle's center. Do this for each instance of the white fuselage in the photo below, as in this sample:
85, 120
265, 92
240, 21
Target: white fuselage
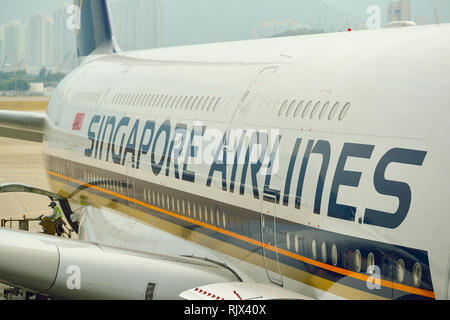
354, 166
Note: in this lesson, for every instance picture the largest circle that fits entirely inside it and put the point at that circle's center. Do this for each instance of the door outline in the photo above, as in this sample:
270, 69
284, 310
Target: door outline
130, 184
269, 237
252, 93
447, 296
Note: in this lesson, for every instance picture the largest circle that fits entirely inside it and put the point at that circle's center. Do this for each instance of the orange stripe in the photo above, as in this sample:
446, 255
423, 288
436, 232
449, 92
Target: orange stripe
362, 277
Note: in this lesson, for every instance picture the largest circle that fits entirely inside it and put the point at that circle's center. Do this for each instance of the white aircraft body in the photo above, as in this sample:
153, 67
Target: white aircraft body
293, 168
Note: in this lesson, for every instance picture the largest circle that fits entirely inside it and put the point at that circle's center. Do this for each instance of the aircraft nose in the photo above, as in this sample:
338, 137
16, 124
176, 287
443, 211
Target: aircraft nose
27, 260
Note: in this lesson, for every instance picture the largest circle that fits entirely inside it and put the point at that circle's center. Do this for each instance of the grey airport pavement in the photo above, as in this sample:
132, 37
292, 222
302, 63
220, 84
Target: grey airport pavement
22, 162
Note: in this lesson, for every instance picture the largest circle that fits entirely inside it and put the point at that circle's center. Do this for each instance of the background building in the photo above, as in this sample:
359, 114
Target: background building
14, 44
2, 47
64, 42
399, 10
40, 40
139, 24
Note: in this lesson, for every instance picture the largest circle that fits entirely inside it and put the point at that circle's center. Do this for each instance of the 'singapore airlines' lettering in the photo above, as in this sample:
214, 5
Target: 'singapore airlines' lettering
175, 148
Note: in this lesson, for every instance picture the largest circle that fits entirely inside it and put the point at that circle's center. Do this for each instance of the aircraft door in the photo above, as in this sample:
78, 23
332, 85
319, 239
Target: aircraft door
252, 94
130, 185
269, 241
447, 297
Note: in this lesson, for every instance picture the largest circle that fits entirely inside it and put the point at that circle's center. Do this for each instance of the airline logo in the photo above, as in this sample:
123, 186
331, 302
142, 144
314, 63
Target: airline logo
78, 122
116, 138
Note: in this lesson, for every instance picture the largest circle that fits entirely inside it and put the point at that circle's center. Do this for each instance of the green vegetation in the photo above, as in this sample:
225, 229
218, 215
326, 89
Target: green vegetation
48, 76
20, 80
14, 85
298, 32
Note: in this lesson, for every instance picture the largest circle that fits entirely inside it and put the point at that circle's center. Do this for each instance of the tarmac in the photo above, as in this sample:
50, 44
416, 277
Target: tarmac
22, 162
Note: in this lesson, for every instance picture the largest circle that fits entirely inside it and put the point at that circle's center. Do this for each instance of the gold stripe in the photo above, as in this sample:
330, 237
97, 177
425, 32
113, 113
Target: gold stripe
348, 273
226, 248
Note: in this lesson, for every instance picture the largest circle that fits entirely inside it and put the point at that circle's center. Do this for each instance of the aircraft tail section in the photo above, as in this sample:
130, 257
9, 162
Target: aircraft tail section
95, 33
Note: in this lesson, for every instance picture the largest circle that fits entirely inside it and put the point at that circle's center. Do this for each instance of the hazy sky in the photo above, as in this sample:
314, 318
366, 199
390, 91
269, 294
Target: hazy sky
236, 19
23, 9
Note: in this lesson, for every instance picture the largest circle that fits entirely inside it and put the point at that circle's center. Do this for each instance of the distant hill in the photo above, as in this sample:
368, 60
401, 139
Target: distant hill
297, 32
200, 21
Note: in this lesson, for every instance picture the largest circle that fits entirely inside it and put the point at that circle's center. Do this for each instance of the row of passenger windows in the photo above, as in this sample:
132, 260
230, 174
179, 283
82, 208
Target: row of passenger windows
352, 261
174, 102
210, 214
225, 218
86, 97
305, 109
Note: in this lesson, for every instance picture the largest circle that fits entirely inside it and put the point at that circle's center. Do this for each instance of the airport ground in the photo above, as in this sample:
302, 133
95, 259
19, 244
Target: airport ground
22, 162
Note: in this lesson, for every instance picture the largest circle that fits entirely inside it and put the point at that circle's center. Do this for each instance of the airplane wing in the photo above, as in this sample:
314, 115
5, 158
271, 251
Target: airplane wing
22, 125
241, 291
73, 269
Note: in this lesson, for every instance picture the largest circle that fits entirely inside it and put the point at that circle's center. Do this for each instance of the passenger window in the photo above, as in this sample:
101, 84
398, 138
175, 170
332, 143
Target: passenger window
140, 99
169, 102
135, 100
333, 111
212, 103
188, 103
217, 104
218, 217
193, 103
174, 102
298, 109
280, 112
288, 241
158, 100
324, 109
128, 99
164, 102
308, 106
200, 212
143, 102
119, 99
211, 215
314, 110
179, 102
151, 100
157, 199
344, 111
291, 107
194, 210
199, 104
205, 103
188, 208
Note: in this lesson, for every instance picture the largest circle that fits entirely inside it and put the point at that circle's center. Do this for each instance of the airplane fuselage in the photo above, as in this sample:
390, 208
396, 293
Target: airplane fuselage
315, 161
